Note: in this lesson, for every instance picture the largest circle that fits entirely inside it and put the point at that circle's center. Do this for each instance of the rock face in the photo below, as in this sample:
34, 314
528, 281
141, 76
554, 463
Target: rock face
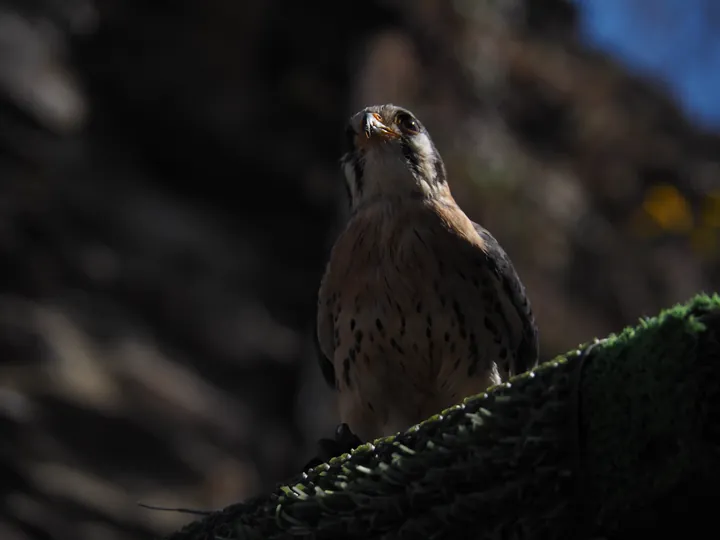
170, 190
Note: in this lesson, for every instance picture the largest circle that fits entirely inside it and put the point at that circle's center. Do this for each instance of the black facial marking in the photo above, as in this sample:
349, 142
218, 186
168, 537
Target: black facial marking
411, 156
358, 170
353, 160
439, 170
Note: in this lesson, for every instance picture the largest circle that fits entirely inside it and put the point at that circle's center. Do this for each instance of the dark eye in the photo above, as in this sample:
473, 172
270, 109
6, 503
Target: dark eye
406, 122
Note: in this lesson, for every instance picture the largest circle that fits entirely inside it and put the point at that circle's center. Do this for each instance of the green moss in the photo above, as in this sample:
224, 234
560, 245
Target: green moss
584, 442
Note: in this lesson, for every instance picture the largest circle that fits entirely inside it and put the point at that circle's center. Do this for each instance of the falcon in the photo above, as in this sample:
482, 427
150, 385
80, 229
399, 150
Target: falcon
419, 307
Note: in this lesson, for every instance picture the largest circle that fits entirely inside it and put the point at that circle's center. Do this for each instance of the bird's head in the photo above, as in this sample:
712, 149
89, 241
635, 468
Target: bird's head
391, 154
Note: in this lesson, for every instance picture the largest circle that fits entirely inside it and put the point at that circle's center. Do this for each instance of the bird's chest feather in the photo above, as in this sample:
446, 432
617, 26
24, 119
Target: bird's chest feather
401, 290
387, 263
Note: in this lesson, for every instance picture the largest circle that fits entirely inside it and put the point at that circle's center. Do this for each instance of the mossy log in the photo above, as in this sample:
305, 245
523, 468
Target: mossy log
602, 441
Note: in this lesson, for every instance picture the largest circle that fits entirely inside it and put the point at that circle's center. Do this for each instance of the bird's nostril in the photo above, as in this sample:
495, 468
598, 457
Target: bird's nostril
367, 123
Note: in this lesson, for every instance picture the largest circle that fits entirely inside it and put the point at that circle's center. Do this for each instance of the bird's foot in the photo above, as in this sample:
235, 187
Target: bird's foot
345, 440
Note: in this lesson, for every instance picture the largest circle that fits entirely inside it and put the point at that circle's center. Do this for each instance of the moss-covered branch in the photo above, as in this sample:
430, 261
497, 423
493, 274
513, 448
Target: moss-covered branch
585, 444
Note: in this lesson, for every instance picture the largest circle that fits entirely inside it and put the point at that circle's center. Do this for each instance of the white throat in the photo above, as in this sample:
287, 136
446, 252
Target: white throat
386, 173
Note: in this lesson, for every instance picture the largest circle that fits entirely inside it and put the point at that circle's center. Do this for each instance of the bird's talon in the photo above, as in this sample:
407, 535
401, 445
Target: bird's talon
345, 438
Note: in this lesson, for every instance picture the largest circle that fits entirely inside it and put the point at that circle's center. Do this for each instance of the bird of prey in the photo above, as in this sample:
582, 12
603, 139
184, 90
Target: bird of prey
419, 306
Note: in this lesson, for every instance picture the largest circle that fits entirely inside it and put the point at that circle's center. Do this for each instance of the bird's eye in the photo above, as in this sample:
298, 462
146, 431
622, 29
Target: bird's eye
406, 122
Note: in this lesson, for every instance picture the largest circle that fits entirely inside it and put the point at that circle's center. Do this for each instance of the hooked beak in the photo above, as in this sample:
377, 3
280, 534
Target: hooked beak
373, 128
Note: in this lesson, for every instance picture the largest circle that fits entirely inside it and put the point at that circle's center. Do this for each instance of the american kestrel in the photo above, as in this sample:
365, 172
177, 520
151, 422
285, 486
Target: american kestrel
419, 306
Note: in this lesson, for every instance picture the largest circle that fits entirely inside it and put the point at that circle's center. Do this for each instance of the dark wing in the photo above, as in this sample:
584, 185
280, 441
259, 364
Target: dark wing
323, 335
527, 351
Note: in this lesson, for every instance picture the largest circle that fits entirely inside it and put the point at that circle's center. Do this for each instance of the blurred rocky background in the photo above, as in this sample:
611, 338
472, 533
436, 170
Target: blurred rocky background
169, 190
